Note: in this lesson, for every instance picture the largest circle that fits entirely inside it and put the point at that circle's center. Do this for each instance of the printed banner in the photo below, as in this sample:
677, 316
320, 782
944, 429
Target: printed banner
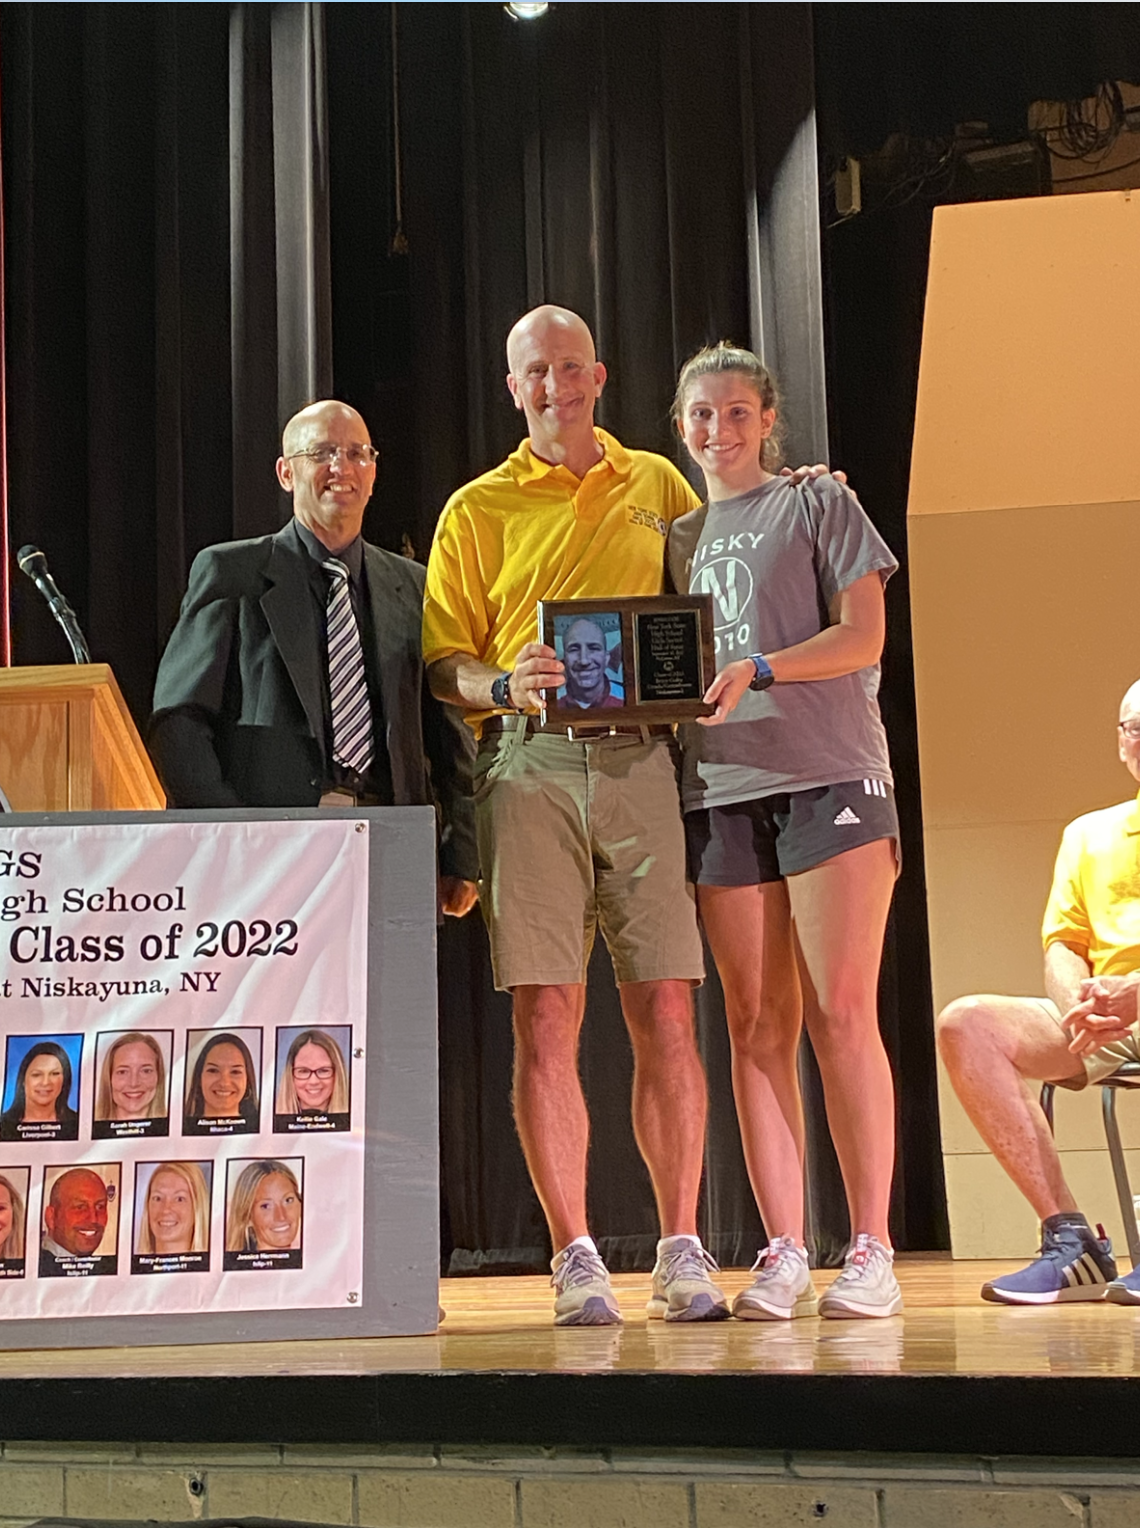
183, 1012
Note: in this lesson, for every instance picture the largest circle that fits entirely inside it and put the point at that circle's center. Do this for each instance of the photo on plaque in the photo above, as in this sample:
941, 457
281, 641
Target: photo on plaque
79, 1237
172, 1217
629, 662
264, 1213
590, 647
312, 1087
222, 1071
132, 1083
14, 1185
41, 1088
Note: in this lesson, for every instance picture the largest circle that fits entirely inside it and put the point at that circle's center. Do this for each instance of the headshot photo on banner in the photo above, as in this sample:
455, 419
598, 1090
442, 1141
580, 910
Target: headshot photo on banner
41, 1088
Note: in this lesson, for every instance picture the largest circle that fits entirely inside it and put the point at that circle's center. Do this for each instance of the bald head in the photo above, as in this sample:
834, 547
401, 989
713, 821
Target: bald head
76, 1215
310, 421
329, 496
1130, 705
1127, 743
557, 324
77, 1180
555, 378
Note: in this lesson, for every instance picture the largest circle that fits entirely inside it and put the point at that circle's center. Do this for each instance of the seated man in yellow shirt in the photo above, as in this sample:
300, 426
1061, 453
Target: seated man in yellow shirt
1082, 1032
576, 833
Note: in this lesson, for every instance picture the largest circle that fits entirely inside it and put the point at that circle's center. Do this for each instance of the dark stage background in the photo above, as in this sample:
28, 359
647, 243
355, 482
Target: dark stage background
205, 228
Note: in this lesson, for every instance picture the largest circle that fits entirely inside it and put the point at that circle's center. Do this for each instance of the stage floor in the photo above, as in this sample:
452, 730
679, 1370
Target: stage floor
952, 1373
505, 1325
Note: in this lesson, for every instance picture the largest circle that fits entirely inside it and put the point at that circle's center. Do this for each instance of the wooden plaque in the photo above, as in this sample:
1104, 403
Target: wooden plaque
629, 661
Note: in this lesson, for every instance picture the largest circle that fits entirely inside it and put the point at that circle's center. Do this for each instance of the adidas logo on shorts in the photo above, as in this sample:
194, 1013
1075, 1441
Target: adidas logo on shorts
846, 818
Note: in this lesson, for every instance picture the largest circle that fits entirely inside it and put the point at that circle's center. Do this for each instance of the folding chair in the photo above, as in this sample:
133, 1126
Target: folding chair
1128, 1077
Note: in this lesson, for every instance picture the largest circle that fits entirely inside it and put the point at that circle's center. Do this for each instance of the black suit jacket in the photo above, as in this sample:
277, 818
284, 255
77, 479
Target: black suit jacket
238, 717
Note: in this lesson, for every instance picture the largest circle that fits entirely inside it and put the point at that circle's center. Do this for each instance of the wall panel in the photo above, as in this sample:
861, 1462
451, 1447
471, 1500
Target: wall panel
1024, 536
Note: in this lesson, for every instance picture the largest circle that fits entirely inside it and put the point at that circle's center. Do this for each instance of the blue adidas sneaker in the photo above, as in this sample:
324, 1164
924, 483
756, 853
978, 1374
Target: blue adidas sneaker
1125, 1290
1073, 1265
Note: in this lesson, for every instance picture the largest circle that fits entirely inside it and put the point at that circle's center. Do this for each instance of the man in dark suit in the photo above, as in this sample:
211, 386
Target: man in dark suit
245, 711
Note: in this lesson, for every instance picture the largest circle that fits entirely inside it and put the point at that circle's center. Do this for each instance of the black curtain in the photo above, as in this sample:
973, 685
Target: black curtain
654, 169
166, 198
202, 233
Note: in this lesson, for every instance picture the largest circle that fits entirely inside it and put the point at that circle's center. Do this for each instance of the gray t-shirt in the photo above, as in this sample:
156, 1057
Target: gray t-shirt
773, 560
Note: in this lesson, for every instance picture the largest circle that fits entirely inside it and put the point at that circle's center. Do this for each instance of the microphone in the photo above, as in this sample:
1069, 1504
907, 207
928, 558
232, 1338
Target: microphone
33, 562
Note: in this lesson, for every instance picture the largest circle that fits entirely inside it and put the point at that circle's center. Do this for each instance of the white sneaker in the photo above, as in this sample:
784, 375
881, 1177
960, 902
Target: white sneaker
782, 1287
867, 1286
584, 1296
682, 1289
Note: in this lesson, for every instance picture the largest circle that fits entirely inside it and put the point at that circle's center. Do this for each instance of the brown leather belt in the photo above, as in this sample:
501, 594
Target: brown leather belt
590, 732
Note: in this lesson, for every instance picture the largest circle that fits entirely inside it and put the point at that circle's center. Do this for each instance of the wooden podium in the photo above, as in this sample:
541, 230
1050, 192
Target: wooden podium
68, 743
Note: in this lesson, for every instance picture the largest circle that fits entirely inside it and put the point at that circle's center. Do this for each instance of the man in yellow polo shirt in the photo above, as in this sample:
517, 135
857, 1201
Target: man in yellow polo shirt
576, 834
1082, 1032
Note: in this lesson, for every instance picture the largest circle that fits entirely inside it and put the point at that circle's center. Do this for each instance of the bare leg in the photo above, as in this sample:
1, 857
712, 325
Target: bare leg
750, 934
840, 912
550, 1110
991, 1045
670, 1100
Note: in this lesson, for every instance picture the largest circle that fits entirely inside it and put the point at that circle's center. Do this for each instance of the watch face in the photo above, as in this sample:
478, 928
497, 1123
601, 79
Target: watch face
764, 675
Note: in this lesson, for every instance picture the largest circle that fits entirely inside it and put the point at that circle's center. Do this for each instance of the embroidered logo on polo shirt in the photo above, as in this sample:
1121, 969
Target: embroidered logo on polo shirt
647, 517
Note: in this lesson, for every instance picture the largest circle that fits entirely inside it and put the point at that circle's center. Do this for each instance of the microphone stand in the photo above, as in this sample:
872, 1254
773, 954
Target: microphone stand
33, 562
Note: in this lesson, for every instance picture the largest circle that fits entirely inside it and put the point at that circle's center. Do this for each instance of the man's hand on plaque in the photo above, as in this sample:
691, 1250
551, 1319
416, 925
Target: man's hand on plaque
536, 669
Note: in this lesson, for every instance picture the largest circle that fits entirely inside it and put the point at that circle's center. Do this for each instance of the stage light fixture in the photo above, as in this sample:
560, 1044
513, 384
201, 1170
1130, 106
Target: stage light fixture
519, 10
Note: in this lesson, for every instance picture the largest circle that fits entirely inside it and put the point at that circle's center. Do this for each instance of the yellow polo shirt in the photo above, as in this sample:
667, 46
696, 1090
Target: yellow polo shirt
530, 531
1094, 905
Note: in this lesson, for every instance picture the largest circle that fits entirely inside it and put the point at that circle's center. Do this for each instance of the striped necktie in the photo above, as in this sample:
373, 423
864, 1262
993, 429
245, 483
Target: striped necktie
348, 688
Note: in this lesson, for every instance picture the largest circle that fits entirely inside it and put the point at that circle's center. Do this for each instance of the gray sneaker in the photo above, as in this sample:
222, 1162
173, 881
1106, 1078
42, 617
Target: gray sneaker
782, 1287
867, 1286
682, 1289
584, 1296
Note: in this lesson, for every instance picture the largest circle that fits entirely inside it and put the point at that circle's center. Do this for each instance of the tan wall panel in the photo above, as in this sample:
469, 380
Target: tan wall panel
1030, 369
991, 1219
1025, 638
988, 1217
986, 890
1077, 1117
1025, 635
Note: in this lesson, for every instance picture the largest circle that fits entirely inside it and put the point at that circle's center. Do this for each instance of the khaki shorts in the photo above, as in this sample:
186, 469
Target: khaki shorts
574, 836
1102, 1063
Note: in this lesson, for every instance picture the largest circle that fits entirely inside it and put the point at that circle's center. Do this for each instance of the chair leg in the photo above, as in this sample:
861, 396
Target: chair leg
1120, 1173
1047, 1091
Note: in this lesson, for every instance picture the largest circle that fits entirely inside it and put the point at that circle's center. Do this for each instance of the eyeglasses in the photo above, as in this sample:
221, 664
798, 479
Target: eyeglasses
1131, 730
324, 456
321, 1073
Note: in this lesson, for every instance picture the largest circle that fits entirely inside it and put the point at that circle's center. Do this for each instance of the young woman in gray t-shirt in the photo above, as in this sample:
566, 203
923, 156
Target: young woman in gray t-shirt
790, 817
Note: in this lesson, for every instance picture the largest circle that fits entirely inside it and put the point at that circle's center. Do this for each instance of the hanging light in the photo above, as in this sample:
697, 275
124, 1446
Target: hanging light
520, 10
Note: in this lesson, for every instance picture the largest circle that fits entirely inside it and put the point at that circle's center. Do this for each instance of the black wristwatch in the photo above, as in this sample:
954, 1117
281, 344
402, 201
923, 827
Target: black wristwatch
501, 692
764, 675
